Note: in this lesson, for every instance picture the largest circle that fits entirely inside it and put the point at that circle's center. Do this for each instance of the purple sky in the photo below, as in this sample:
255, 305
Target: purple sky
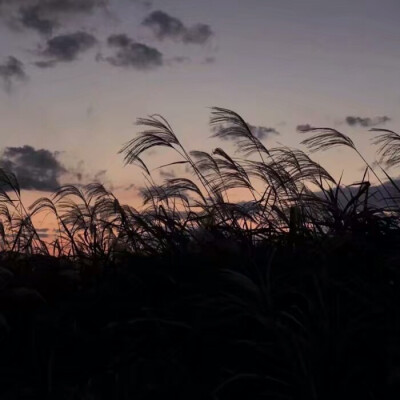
75, 75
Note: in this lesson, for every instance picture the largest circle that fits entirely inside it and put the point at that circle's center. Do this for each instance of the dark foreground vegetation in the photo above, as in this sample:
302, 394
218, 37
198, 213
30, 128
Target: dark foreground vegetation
292, 293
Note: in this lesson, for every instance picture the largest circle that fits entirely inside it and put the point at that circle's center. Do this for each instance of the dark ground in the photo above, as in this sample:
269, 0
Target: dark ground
311, 321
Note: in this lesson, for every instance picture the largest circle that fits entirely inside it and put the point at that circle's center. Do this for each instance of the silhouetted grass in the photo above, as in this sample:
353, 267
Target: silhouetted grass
291, 293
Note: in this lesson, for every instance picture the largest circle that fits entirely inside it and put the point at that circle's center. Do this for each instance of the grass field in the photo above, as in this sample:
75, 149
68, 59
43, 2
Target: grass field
289, 294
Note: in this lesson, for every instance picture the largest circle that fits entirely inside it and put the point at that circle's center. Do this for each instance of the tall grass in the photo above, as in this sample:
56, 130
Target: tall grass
289, 197
290, 293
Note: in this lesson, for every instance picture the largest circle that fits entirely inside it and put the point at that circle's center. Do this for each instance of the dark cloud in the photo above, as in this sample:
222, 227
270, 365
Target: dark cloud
30, 17
262, 132
66, 48
303, 128
41, 169
131, 54
46, 15
35, 169
198, 34
120, 40
366, 122
164, 26
12, 69
45, 64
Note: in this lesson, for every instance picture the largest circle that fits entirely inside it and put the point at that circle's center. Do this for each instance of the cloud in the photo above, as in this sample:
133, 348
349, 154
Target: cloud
144, 3
30, 17
209, 60
180, 60
46, 15
41, 169
120, 40
164, 26
177, 60
167, 174
45, 64
366, 122
78, 174
35, 169
71, 6
12, 69
303, 128
131, 54
381, 196
65, 48
198, 34
262, 132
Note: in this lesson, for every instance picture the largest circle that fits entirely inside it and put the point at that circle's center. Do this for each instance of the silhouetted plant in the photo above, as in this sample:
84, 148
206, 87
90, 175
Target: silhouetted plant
288, 193
290, 292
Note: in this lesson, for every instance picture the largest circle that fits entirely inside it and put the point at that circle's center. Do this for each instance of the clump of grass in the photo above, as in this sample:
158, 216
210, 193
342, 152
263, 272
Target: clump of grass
288, 195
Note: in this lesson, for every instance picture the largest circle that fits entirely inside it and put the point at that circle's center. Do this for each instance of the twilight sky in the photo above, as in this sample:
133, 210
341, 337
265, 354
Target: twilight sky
75, 75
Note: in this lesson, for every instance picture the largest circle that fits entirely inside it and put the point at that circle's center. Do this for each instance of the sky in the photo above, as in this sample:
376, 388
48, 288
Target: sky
76, 74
